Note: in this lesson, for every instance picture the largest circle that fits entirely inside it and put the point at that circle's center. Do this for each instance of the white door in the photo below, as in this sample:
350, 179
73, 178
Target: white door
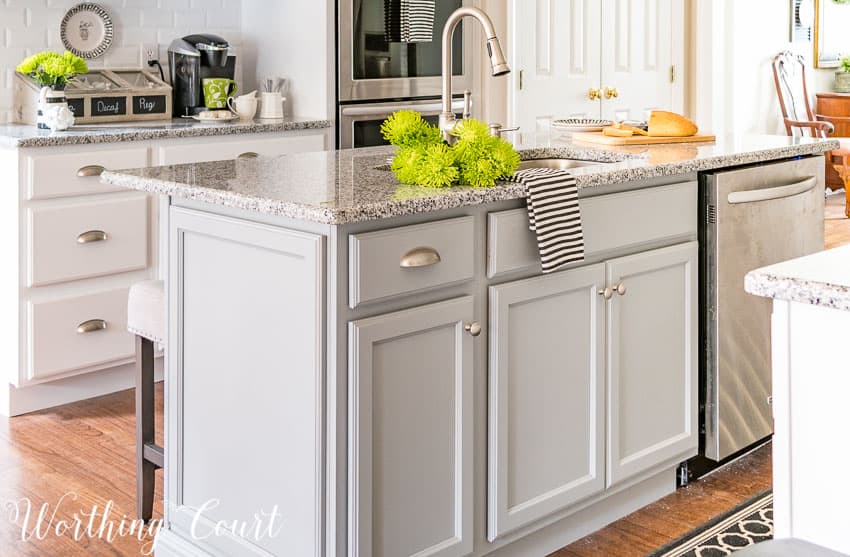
410, 432
546, 411
555, 55
652, 360
637, 56
563, 49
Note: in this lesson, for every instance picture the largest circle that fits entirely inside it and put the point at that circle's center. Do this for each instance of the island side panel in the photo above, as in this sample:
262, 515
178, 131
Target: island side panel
245, 426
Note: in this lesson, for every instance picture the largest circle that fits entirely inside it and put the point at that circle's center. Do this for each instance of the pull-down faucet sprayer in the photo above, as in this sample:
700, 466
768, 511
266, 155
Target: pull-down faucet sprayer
494, 49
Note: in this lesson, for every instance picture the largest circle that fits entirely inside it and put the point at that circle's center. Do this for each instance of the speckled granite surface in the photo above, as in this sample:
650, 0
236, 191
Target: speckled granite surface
18, 135
821, 279
339, 187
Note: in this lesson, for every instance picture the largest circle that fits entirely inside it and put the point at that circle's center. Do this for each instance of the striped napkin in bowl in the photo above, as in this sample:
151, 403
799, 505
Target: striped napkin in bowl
554, 215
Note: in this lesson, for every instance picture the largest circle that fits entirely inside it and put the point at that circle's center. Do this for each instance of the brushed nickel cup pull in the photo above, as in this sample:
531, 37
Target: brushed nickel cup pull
420, 257
91, 326
606, 292
473, 329
248, 155
620, 289
92, 236
90, 170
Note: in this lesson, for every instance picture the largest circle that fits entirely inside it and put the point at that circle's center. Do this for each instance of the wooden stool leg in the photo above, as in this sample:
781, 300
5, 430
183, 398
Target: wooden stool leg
847, 198
144, 427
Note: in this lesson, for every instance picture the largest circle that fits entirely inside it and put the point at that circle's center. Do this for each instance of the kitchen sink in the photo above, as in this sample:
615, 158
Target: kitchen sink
558, 164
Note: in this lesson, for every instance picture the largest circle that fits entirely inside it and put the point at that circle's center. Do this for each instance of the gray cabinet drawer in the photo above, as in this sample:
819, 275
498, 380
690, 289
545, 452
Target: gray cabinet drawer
610, 222
384, 264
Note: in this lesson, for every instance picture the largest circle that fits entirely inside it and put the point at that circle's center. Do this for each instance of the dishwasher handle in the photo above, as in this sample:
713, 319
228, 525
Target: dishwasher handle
777, 192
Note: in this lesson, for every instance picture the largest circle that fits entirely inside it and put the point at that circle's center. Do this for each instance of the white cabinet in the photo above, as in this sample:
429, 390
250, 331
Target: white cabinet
652, 360
546, 396
246, 437
623, 51
410, 432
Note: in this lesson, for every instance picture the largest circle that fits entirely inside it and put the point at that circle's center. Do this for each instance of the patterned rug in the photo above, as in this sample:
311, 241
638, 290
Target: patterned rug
748, 523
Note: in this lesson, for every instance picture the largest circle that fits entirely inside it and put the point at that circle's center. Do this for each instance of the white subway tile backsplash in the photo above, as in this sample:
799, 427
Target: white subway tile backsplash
30, 26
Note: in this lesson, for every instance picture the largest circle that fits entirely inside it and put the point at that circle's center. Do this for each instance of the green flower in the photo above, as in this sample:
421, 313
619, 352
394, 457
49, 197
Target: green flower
51, 68
406, 128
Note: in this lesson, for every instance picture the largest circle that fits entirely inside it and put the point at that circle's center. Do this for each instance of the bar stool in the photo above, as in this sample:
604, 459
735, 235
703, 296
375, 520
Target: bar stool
146, 320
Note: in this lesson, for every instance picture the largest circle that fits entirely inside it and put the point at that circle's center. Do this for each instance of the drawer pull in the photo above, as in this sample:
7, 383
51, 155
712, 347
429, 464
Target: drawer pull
90, 170
92, 236
91, 326
420, 257
248, 155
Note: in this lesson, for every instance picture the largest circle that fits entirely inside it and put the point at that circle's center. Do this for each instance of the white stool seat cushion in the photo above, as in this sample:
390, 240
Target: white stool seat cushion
787, 548
146, 310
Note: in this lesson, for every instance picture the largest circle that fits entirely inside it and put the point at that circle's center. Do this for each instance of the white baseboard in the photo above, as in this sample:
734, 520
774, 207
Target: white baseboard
169, 544
22, 400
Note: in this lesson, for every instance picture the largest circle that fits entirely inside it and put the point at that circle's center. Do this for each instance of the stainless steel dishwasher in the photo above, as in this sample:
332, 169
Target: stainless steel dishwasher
752, 217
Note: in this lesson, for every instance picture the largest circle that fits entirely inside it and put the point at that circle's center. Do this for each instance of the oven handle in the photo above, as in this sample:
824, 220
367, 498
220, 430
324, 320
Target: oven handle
386, 110
777, 192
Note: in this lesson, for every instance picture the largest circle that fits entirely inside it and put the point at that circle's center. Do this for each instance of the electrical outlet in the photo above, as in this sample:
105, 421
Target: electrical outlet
150, 51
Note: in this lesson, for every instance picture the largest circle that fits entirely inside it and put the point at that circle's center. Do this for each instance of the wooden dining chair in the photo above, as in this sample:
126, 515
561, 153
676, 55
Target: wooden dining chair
789, 75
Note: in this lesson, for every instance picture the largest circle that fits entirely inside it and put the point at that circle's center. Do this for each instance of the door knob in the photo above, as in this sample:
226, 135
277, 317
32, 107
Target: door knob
473, 329
611, 93
594, 94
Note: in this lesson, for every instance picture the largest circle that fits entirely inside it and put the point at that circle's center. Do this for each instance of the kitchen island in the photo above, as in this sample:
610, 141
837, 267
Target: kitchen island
811, 302
359, 367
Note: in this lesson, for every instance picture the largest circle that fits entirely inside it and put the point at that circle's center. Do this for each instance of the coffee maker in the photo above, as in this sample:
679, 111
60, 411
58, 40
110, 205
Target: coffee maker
191, 59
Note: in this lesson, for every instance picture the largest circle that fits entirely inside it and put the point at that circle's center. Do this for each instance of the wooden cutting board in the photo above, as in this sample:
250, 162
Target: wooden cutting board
597, 137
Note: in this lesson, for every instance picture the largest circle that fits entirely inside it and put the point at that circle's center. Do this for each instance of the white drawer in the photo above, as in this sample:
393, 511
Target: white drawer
57, 346
610, 222
245, 147
87, 239
408, 259
68, 174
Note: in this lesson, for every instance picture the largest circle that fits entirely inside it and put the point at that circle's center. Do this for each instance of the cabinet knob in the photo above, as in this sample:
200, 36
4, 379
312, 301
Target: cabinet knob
606, 292
620, 289
91, 326
420, 257
611, 93
90, 170
594, 94
92, 236
473, 329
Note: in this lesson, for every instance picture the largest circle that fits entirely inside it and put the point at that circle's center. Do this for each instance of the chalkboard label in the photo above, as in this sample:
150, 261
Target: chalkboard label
109, 106
151, 104
78, 107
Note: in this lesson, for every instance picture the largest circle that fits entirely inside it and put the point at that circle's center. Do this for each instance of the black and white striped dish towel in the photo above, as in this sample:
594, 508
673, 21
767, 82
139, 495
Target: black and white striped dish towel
554, 215
409, 21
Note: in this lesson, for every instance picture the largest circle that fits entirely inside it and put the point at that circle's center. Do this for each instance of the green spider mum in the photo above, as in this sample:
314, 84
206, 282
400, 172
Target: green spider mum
406, 128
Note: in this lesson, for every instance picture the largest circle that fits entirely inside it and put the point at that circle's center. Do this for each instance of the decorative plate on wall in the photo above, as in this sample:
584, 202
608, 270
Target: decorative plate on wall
87, 30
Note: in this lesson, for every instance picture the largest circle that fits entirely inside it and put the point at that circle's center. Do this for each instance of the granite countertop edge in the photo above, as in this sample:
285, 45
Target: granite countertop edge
782, 287
90, 134
454, 197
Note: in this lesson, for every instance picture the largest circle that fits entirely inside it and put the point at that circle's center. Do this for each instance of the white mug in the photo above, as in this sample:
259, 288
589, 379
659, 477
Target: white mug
245, 107
271, 105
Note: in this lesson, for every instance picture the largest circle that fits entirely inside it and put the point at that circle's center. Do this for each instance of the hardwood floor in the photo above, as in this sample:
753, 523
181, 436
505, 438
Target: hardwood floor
665, 520
87, 449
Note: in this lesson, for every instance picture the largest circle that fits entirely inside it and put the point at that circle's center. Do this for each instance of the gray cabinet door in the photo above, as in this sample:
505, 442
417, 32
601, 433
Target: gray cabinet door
410, 436
546, 411
652, 360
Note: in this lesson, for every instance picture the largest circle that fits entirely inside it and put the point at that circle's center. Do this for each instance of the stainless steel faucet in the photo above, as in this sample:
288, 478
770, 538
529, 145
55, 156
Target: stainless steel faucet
494, 50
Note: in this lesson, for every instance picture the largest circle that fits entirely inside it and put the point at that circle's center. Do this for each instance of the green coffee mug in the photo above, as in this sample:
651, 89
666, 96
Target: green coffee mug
217, 90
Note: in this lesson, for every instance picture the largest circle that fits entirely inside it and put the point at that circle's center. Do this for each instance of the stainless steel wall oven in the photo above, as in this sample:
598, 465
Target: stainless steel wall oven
376, 74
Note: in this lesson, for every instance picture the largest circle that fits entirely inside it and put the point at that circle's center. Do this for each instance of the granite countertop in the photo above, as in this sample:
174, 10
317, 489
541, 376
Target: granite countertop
821, 279
340, 187
20, 135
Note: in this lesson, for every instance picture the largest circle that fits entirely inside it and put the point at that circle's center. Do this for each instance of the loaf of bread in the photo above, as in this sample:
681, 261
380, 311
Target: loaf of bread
670, 124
